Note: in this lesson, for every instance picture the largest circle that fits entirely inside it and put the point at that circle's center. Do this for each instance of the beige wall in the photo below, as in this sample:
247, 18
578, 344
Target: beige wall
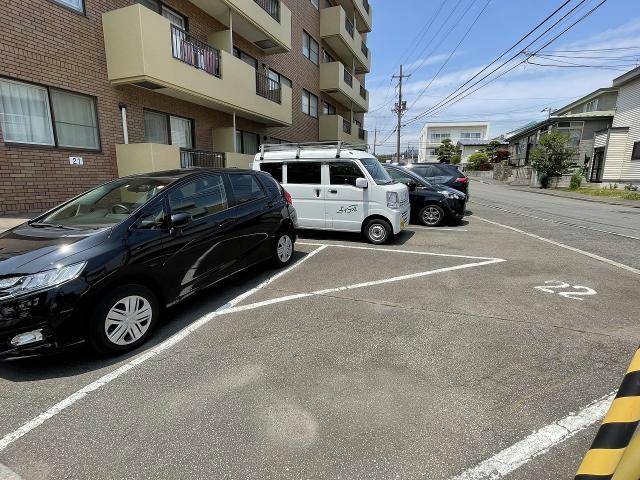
135, 158
332, 24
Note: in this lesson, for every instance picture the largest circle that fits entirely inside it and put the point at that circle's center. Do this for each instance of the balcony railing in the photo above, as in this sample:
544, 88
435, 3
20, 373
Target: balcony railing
272, 7
365, 49
348, 78
362, 133
194, 52
363, 92
346, 126
202, 159
348, 24
268, 88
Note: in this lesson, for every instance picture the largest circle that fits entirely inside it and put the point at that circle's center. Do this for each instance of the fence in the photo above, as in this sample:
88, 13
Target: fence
272, 7
201, 158
346, 126
268, 88
194, 52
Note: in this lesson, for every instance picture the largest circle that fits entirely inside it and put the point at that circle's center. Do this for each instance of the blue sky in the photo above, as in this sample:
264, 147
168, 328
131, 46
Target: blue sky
515, 99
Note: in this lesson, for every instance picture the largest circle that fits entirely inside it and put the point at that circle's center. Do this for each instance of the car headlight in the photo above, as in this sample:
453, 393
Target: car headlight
12, 286
393, 200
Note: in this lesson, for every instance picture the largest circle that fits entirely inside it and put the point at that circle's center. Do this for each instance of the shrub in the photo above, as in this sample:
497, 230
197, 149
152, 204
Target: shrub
576, 181
552, 156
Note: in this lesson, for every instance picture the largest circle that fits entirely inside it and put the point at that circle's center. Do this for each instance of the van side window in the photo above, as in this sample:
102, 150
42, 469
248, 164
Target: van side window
344, 173
304, 173
245, 187
200, 197
275, 169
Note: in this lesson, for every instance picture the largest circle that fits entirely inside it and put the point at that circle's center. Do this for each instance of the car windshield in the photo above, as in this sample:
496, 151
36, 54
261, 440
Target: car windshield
106, 205
377, 171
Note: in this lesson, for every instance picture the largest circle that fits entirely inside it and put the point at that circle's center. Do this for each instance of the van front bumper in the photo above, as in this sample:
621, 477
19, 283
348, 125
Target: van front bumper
400, 219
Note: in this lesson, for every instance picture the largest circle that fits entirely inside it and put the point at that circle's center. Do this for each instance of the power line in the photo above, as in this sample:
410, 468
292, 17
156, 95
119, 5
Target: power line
451, 102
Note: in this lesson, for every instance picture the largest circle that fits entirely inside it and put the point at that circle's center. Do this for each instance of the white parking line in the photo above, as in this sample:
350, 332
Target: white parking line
562, 245
182, 334
435, 229
538, 443
8, 474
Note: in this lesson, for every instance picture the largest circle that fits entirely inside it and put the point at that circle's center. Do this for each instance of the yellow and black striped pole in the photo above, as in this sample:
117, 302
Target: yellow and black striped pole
629, 468
616, 431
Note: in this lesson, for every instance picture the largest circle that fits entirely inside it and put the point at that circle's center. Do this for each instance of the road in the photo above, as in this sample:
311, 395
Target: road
422, 359
612, 231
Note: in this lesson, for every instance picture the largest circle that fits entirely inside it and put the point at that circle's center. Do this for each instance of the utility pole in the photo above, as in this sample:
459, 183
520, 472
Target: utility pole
400, 108
375, 140
548, 109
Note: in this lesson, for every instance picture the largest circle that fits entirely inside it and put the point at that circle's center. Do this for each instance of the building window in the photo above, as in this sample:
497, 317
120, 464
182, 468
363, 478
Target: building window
316, 3
438, 137
591, 106
328, 109
573, 131
273, 75
310, 48
247, 143
77, 5
245, 57
635, 155
168, 129
174, 17
470, 135
75, 120
27, 112
309, 104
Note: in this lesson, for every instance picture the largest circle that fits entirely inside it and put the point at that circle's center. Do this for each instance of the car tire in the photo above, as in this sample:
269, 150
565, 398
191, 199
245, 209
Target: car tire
431, 216
124, 319
377, 231
283, 249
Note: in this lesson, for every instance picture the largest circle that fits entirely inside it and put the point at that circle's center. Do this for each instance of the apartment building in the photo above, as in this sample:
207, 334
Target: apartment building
433, 134
95, 89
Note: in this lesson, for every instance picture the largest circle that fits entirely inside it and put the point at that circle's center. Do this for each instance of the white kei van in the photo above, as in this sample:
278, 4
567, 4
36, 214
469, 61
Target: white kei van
337, 187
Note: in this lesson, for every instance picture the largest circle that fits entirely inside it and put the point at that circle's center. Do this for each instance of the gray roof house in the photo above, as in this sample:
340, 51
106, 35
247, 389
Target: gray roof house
616, 152
469, 146
579, 120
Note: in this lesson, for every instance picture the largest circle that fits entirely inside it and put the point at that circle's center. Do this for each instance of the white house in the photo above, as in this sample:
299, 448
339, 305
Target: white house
616, 153
432, 135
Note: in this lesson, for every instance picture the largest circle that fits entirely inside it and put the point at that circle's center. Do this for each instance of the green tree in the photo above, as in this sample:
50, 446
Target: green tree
477, 159
456, 159
446, 151
552, 156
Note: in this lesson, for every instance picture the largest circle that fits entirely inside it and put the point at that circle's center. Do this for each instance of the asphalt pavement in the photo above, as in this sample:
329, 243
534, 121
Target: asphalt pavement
421, 359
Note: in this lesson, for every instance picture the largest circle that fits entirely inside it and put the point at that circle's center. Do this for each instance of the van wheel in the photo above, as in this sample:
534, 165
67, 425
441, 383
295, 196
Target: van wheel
431, 216
124, 319
283, 251
377, 231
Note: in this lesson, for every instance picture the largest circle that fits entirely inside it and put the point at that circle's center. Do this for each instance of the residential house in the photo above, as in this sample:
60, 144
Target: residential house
433, 134
92, 90
579, 121
616, 153
468, 147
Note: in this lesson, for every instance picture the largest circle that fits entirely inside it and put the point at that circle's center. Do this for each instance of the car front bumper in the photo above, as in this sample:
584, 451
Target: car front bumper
53, 312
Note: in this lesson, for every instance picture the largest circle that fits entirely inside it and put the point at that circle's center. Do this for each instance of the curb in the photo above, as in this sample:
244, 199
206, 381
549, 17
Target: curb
576, 197
617, 429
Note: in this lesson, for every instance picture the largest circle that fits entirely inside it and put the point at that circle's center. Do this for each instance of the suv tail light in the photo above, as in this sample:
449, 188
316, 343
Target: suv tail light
462, 179
287, 197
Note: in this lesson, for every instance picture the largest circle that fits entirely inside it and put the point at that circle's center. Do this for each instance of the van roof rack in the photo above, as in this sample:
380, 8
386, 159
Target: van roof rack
298, 147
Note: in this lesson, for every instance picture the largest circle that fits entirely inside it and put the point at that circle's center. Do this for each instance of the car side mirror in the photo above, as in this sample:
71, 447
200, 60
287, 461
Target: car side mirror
412, 186
362, 183
180, 220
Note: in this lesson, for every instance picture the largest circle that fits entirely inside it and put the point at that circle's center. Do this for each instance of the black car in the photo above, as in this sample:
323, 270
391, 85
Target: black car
442, 174
431, 205
102, 266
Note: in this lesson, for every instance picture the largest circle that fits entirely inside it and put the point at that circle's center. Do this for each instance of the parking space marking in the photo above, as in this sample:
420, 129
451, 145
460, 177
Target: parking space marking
538, 443
559, 222
562, 245
225, 310
436, 229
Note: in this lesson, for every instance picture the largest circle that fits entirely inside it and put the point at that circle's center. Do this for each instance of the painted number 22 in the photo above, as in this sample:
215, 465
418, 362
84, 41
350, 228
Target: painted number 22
576, 293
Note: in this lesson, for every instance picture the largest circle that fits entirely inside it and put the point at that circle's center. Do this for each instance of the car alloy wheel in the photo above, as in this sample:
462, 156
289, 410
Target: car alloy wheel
284, 248
128, 320
432, 215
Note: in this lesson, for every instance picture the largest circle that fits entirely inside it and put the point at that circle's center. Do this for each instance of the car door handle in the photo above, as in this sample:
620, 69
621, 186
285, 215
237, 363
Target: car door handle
317, 192
333, 191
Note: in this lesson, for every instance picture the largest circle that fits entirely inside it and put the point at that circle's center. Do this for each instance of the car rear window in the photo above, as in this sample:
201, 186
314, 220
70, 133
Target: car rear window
245, 187
275, 169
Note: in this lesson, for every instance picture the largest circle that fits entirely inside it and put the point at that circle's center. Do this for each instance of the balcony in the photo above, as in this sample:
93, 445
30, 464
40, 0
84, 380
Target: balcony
266, 23
144, 49
338, 83
136, 158
337, 128
361, 10
338, 31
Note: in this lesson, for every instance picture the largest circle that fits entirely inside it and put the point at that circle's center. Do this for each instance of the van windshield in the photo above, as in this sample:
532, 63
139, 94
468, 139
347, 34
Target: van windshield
376, 170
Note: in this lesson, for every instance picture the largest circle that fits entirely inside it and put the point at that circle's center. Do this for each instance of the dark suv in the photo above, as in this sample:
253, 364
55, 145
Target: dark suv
102, 266
442, 174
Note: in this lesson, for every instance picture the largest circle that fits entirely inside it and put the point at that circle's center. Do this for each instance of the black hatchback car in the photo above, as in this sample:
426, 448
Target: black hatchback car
102, 266
431, 205
442, 174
